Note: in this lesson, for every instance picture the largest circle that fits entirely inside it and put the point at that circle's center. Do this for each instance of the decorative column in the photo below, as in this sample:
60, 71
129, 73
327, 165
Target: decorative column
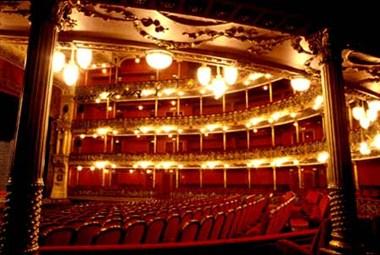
200, 142
300, 181
356, 177
270, 92
200, 105
224, 103
154, 178
224, 141
155, 143
340, 180
156, 107
60, 163
249, 178
225, 178
296, 125
273, 135
25, 186
274, 178
178, 106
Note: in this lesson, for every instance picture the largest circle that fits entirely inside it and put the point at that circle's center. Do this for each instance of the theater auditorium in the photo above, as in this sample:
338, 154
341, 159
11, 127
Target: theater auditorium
187, 127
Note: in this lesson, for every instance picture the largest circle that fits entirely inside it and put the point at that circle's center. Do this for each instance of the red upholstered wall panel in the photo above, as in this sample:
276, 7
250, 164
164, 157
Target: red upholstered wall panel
237, 177
213, 177
189, 177
369, 172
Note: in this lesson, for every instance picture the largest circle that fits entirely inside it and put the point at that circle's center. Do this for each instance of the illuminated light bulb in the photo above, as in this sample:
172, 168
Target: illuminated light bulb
103, 95
92, 168
364, 148
106, 171
97, 100
202, 91
118, 97
148, 92
296, 162
204, 75
113, 166
140, 107
173, 102
255, 163
323, 156
102, 131
276, 116
376, 141
268, 76
230, 74
109, 108
137, 60
138, 136
180, 93
79, 168
318, 101
218, 87
159, 59
131, 171
265, 87
84, 57
246, 82
364, 122
82, 136
372, 114
180, 166
100, 164
358, 112
170, 135
59, 60
115, 132
300, 84
255, 130
375, 105
117, 141
94, 136
148, 171
70, 73
293, 114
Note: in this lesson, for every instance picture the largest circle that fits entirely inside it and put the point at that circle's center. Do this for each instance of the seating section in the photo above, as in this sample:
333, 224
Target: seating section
198, 218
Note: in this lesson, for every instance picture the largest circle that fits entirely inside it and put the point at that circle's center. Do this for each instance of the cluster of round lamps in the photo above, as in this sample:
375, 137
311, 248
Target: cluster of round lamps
70, 70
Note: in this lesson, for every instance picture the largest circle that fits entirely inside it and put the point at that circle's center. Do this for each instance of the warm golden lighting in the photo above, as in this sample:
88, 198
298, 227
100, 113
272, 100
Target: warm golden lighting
168, 91
92, 168
323, 156
230, 74
210, 164
364, 148
79, 168
84, 57
148, 92
204, 75
82, 136
104, 95
300, 84
149, 171
100, 164
318, 101
159, 59
102, 130
140, 107
70, 73
364, 122
131, 171
218, 87
255, 76
59, 60
376, 142
255, 163
358, 112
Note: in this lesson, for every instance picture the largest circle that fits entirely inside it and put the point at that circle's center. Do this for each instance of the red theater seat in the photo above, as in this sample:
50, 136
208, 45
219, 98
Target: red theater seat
59, 236
155, 230
227, 224
109, 235
190, 231
87, 232
172, 228
218, 225
134, 232
205, 230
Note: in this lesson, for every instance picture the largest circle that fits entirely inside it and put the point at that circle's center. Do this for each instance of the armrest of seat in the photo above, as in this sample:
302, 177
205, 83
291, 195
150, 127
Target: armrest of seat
291, 248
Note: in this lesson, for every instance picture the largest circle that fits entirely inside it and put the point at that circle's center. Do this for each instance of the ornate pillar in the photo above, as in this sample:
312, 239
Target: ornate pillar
273, 135
200, 105
25, 186
356, 177
340, 180
246, 99
225, 178
176, 179
274, 178
270, 92
200, 178
248, 139
60, 164
249, 178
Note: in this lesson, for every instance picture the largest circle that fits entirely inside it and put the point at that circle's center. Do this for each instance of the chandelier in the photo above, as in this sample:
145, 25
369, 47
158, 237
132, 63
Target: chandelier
159, 59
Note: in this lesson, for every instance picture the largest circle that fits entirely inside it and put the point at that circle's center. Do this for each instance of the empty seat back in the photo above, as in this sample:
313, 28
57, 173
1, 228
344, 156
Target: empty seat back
190, 231
87, 232
109, 235
172, 228
205, 229
218, 225
134, 232
154, 230
59, 236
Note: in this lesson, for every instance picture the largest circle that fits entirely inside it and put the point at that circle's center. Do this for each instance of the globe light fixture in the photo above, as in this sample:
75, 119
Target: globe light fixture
323, 156
159, 59
358, 112
70, 73
84, 57
218, 87
300, 84
364, 148
204, 75
230, 74
59, 60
